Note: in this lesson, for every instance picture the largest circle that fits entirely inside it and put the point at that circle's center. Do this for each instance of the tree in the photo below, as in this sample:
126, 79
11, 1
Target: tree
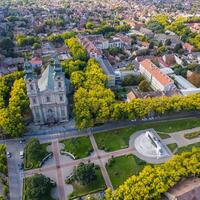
178, 47
144, 86
36, 45
155, 180
76, 49
18, 96
38, 187
71, 66
11, 121
131, 80
85, 173
77, 79
6, 44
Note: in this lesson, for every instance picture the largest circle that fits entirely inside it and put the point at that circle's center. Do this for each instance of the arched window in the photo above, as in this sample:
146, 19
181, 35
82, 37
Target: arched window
48, 99
61, 98
31, 87
59, 84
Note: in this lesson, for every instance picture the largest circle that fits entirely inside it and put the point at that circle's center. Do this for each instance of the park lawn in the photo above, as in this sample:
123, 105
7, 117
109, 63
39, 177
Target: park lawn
187, 148
119, 138
172, 147
80, 147
95, 186
192, 135
30, 164
121, 168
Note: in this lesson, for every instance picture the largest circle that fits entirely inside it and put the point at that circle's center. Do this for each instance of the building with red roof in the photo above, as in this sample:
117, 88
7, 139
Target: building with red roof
158, 80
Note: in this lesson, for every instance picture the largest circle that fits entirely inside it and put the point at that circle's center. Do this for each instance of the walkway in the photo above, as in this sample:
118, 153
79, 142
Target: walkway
101, 164
60, 180
180, 140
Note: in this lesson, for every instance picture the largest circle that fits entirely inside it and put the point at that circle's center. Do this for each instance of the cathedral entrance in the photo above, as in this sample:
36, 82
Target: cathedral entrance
50, 117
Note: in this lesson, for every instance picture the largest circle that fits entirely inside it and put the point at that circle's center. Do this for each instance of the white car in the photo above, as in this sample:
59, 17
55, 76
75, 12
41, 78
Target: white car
8, 154
21, 153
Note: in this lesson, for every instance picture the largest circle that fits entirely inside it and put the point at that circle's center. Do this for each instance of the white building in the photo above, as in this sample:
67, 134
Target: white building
157, 79
48, 94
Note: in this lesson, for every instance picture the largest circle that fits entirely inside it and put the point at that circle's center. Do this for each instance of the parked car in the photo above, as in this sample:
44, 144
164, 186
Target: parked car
22, 141
21, 153
8, 154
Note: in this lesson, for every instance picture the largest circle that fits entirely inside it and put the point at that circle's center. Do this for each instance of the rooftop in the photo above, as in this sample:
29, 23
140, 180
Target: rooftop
46, 80
187, 189
156, 72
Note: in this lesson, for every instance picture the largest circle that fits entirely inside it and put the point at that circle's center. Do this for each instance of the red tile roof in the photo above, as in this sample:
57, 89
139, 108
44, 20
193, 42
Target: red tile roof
156, 73
36, 61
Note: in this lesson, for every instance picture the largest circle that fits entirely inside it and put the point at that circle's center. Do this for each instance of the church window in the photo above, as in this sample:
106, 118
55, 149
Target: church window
48, 99
63, 112
37, 115
31, 86
61, 98
34, 101
59, 84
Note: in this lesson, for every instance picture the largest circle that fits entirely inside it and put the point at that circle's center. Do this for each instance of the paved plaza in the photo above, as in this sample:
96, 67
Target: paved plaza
61, 166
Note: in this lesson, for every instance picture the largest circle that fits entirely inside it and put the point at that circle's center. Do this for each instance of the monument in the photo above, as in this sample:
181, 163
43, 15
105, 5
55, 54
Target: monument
148, 144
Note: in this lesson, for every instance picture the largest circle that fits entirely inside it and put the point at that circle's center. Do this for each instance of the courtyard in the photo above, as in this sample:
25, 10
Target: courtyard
116, 160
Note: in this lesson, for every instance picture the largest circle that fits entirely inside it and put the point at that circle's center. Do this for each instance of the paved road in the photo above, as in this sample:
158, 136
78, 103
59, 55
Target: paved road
60, 180
107, 126
14, 173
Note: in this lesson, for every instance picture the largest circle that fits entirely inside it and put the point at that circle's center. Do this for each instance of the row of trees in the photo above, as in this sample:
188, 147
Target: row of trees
59, 38
106, 29
92, 100
154, 180
14, 104
76, 49
23, 40
94, 103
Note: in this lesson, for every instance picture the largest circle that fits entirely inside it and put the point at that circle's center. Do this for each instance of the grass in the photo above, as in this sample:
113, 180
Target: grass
192, 135
82, 190
121, 168
121, 136
187, 148
32, 164
80, 147
172, 147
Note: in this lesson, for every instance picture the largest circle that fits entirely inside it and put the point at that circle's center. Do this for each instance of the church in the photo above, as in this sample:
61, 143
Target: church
48, 93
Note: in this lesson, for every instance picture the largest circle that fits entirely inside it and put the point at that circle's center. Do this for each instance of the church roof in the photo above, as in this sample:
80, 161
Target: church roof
46, 81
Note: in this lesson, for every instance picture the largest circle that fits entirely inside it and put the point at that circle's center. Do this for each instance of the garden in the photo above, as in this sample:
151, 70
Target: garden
80, 147
86, 179
34, 153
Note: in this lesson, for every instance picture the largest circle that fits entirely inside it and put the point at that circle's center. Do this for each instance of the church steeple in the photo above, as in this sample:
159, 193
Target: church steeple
57, 66
28, 69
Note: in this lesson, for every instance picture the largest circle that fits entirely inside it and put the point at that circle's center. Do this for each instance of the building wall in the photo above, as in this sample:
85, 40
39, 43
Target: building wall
155, 84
